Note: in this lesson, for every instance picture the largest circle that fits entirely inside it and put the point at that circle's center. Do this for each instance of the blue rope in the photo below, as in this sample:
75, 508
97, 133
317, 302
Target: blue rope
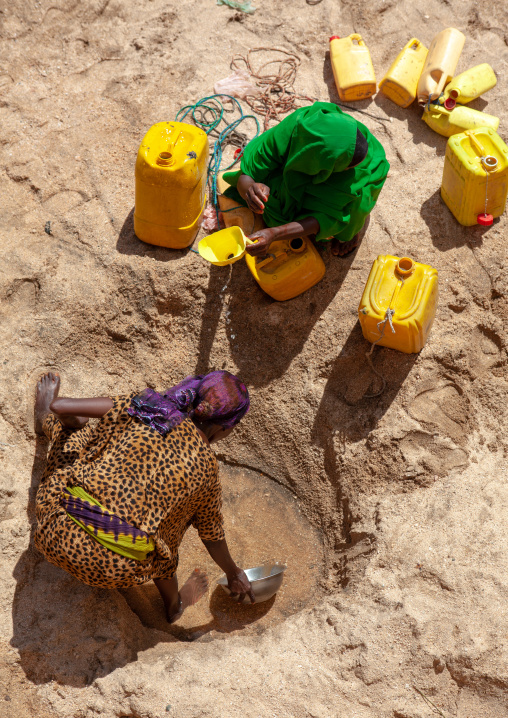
208, 117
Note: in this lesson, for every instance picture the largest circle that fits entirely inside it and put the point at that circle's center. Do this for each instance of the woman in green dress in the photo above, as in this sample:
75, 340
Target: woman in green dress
317, 173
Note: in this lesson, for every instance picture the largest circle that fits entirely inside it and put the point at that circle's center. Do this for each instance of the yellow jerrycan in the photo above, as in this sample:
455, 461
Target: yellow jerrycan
401, 81
352, 68
475, 176
291, 267
171, 170
471, 84
399, 303
440, 64
458, 119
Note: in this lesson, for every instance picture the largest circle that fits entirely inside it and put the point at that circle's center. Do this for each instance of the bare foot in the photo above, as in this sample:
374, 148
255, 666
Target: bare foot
192, 590
73, 422
342, 249
48, 387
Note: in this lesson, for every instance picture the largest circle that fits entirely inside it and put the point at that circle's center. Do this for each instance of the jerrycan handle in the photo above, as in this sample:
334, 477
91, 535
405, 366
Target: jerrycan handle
358, 39
266, 260
477, 145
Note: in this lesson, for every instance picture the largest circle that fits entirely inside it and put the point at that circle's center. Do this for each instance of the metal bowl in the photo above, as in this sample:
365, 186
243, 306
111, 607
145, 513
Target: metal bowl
265, 581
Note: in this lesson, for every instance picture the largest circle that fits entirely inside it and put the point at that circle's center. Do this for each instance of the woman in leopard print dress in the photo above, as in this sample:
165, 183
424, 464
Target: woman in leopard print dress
147, 471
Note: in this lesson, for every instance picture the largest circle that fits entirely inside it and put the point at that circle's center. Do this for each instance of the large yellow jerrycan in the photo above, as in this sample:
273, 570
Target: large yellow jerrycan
399, 303
400, 82
170, 184
458, 119
291, 267
352, 68
440, 64
471, 84
475, 176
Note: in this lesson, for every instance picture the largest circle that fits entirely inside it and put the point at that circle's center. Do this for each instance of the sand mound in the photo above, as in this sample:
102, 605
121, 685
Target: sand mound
406, 491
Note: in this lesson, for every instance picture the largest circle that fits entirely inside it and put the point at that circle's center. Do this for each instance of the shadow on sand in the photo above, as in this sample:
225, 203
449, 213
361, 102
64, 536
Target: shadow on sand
128, 243
254, 320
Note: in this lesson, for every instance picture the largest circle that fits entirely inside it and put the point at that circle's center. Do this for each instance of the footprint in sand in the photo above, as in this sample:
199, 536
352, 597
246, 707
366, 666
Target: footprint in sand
486, 349
426, 453
443, 406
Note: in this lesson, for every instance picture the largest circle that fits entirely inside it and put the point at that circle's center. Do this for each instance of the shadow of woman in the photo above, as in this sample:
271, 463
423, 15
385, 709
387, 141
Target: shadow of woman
258, 326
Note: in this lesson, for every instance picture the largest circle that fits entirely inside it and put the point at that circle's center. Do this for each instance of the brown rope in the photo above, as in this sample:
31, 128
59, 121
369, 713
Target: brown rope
278, 96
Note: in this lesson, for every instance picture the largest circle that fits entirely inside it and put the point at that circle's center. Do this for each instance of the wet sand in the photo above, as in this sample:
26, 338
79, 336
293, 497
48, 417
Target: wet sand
263, 524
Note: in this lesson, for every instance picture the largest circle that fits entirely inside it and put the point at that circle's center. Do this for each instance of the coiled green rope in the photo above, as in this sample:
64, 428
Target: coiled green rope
208, 113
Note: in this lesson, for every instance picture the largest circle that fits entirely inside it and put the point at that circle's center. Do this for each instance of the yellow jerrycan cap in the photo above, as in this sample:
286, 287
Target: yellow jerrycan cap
224, 247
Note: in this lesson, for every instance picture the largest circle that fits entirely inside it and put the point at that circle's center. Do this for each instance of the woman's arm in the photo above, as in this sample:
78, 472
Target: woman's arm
91, 408
264, 237
238, 582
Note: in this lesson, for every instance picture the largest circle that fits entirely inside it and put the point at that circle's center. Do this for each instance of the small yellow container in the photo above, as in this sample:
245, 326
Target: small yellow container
475, 169
224, 247
405, 292
292, 267
170, 184
440, 64
352, 68
401, 81
471, 84
450, 122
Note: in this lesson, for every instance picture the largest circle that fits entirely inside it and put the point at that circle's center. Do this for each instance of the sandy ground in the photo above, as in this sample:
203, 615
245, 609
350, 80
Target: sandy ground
407, 492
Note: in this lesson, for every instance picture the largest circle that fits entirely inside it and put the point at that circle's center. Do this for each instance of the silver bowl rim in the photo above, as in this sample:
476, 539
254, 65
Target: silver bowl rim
281, 566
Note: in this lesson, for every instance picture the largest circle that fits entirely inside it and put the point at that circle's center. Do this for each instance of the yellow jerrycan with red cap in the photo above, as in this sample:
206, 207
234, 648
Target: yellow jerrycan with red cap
352, 68
475, 176
471, 84
450, 118
171, 170
399, 303
401, 81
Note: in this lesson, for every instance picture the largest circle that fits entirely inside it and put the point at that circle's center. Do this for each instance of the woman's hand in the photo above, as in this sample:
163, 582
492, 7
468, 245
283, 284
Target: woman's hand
256, 196
254, 193
263, 239
239, 585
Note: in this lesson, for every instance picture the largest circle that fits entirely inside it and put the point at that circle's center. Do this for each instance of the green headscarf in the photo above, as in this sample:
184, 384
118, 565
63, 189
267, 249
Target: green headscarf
304, 161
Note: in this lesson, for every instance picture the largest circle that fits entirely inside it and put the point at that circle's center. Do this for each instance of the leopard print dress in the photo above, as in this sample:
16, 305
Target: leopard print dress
160, 484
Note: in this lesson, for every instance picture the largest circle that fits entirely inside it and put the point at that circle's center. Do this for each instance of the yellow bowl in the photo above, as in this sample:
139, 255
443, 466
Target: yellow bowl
224, 247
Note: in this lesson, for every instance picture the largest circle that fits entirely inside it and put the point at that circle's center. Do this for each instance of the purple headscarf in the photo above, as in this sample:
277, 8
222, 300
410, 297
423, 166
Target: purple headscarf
218, 398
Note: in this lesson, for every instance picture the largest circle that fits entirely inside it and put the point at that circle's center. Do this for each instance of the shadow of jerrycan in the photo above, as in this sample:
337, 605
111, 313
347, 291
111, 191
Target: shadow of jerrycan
399, 303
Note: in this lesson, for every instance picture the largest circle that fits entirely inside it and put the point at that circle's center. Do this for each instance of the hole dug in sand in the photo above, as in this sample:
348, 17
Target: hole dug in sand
263, 524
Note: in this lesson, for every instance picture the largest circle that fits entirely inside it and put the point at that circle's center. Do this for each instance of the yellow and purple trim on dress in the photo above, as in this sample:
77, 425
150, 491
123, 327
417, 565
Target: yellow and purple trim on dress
104, 526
